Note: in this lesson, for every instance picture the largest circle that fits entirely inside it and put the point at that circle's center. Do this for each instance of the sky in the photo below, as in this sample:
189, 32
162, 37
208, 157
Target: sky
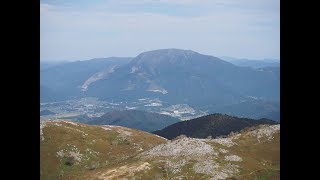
84, 29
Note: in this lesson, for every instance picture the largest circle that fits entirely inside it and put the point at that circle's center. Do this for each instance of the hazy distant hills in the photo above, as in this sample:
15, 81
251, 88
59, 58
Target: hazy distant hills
65, 79
211, 125
46, 65
252, 108
174, 76
252, 63
141, 120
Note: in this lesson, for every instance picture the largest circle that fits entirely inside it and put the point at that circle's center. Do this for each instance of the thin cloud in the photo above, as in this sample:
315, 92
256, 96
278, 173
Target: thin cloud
73, 33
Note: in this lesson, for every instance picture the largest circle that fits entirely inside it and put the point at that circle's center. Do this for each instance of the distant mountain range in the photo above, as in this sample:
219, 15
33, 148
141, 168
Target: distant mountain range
173, 76
213, 125
142, 120
252, 63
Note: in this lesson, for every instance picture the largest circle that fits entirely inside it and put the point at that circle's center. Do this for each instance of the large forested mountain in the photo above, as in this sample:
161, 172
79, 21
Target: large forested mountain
173, 76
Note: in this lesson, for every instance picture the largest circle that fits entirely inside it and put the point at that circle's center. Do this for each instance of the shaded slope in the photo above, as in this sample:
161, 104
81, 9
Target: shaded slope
211, 125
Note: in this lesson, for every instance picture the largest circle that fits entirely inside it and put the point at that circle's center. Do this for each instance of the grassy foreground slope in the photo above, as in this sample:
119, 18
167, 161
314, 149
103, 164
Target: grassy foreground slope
78, 151
69, 150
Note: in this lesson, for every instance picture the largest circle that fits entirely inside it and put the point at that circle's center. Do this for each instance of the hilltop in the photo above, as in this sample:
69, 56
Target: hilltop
211, 125
70, 150
78, 151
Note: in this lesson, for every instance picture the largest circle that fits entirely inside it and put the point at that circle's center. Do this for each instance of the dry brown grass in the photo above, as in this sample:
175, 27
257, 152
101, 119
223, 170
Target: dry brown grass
116, 153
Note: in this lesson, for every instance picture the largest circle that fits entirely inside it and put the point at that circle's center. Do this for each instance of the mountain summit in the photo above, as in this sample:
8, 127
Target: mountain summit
176, 57
168, 55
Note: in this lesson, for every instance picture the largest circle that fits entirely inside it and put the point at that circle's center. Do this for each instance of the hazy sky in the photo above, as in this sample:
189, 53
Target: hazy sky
84, 29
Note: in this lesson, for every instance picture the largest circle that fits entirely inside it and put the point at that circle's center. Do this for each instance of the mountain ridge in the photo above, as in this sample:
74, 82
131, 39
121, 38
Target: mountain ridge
213, 125
81, 151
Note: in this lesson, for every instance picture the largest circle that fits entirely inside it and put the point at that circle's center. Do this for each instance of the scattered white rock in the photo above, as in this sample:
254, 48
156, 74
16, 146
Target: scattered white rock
57, 124
265, 131
223, 141
224, 151
124, 132
42, 125
206, 167
105, 128
175, 166
231, 169
92, 152
70, 151
70, 122
233, 158
182, 147
215, 170
76, 155
60, 154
